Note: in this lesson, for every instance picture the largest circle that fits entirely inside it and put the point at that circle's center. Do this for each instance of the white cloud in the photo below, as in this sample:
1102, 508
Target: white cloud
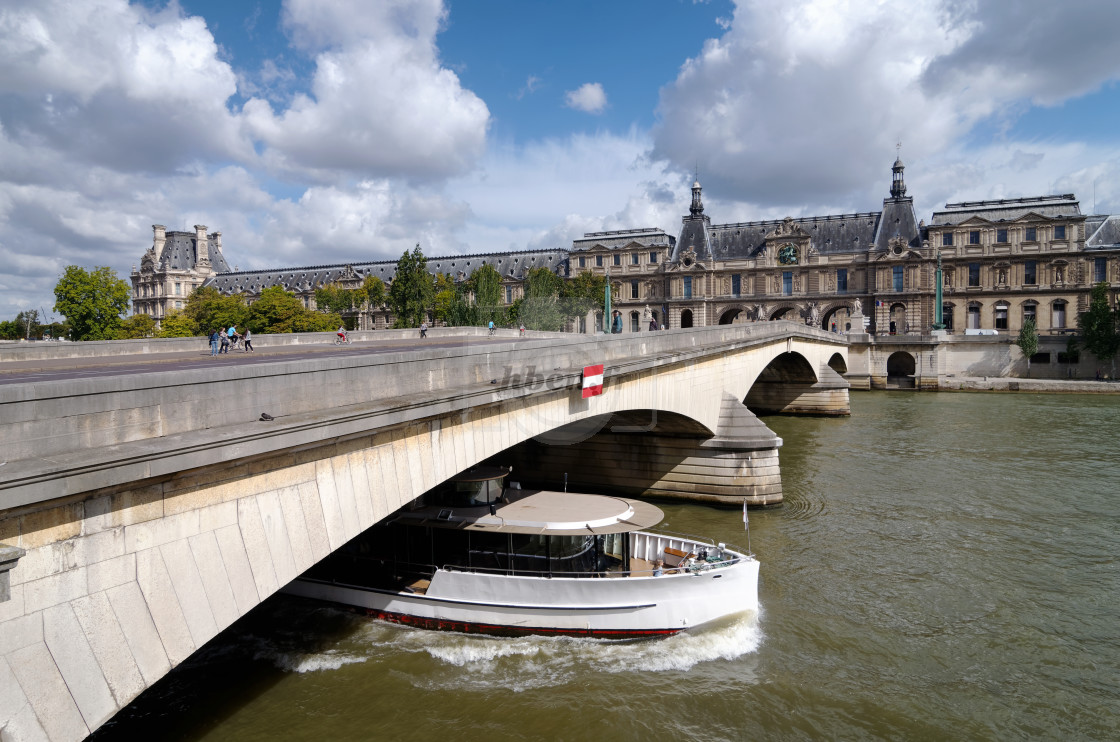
380, 104
803, 101
589, 98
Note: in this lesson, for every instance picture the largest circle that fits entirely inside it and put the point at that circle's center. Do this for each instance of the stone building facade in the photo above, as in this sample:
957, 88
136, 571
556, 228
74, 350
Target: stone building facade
173, 267
871, 272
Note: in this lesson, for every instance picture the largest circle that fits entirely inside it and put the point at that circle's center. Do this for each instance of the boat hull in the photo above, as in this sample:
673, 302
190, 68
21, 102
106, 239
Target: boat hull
617, 606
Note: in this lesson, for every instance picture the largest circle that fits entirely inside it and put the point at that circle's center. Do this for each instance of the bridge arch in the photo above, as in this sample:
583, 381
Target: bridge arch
782, 312
901, 367
731, 315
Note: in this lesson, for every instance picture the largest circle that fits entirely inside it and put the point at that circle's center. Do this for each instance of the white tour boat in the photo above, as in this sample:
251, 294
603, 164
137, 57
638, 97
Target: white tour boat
475, 556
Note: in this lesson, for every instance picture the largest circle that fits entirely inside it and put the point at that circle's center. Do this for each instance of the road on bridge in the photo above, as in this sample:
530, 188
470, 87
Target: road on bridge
55, 369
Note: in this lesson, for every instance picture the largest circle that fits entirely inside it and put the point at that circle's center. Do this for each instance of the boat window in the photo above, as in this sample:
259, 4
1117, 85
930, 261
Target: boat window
478, 493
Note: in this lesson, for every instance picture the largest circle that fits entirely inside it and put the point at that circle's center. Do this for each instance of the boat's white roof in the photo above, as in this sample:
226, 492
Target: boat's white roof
543, 512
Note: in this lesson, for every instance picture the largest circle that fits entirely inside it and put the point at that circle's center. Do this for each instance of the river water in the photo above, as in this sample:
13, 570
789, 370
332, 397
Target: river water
945, 566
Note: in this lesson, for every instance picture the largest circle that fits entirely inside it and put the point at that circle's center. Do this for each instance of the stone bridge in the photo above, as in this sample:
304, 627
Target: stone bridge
143, 513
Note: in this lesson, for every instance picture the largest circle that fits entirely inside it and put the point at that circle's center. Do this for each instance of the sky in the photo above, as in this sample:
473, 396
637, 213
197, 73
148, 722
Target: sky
314, 132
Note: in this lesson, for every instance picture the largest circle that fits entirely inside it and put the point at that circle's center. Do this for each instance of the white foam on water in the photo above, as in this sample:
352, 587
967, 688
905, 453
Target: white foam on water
327, 660
524, 663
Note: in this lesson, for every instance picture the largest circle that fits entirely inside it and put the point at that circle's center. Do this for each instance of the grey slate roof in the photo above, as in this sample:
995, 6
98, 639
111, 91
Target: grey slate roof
1008, 209
1102, 232
180, 252
898, 220
649, 236
509, 264
828, 234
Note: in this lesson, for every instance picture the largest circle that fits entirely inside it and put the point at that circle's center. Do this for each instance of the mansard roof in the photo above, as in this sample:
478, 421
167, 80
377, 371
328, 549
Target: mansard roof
1009, 209
180, 253
646, 237
827, 234
509, 264
1102, 232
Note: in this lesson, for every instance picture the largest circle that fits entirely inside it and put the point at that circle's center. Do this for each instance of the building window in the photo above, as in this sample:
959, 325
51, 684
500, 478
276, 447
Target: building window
973, 317
1031, 235
634, 322
947, 239
653, 257
1030, 313
178, 290
1100, 269
1030, 273
841, 280
582, 262
634, 258
1001, 316
617, 259
178, 305
974, 237
973, 274
947, 316
787, 283
688, 287
1001, 235
898, 278
598, 261
509, 294
633, 289
1060, 232
736, 285
1059, 321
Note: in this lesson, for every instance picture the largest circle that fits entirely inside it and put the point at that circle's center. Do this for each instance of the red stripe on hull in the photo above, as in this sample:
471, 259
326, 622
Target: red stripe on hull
463, 627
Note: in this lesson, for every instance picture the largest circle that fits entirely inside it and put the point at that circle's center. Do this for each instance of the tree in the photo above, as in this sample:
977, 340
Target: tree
1028, 341
209, 310
178, 325
374, 292
278, 310
486, 285
1100, 326
541, 307
583, 293
136, 326
91, 301
334, 298
412, 290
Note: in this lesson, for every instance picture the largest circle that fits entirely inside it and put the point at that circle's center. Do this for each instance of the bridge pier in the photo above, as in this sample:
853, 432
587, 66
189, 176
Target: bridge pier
779, 392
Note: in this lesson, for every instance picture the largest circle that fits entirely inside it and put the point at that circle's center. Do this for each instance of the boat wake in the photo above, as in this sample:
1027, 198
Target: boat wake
526, 663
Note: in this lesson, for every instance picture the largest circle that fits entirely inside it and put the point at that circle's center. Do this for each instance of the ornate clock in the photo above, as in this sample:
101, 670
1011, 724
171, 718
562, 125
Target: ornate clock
787, 255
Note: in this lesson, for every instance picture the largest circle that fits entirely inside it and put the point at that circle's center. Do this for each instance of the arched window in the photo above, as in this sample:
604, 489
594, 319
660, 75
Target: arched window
1030, 312
635, 320
947, 315
686, 318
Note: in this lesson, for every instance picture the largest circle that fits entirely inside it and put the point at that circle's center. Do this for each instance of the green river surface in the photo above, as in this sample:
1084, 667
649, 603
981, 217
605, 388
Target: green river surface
944, 567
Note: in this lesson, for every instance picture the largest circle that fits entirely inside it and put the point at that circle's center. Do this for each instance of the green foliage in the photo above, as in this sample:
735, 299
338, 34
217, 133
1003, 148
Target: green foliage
179, 325
26, 325
280, 311
1028, 341
209, 310
486, 285
542, 308
374, 291
91, 301
136, 326
449, 306
412, 291
1100, 326
334, 298
584, 293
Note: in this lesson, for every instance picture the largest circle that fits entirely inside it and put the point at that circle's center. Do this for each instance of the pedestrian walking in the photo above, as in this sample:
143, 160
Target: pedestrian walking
522, 332
424, 329
224, 337
247, 341
214, 342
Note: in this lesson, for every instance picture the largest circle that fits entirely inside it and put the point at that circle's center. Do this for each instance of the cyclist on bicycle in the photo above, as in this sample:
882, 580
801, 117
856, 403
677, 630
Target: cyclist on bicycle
491, 327
342, 333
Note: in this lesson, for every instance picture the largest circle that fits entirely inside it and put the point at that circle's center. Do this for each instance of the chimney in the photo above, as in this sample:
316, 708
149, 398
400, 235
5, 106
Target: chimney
201, 245
216, 238
159, 239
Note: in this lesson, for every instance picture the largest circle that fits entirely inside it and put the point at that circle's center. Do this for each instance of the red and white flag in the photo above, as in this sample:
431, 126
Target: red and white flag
592, 381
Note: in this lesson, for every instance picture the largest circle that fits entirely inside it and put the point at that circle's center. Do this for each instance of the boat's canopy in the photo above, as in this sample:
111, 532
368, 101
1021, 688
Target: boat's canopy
542, 512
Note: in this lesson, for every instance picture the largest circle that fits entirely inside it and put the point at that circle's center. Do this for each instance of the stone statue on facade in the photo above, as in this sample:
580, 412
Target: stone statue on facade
814, 315
857, 307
